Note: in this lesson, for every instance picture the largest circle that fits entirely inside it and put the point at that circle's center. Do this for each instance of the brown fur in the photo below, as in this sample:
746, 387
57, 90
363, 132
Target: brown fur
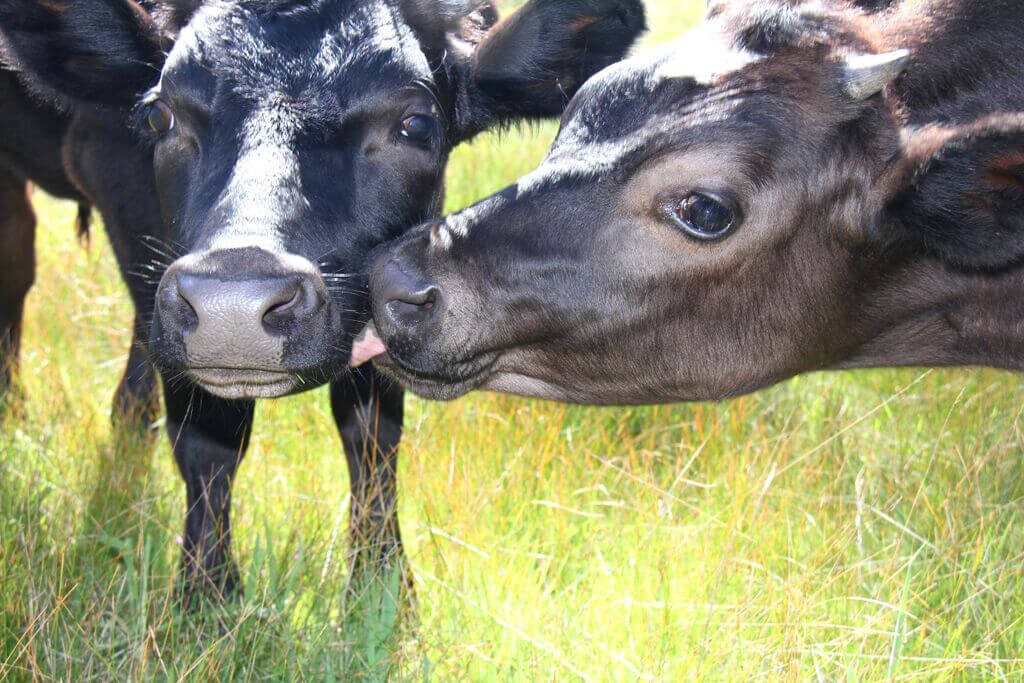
885, 231
17, 267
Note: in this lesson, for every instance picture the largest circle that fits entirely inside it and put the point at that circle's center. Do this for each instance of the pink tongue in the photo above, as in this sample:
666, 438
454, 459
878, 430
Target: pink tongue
367, 347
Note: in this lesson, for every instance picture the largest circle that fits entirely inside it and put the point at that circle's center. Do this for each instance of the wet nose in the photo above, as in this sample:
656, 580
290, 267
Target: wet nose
227, 321
267, 305
409, 301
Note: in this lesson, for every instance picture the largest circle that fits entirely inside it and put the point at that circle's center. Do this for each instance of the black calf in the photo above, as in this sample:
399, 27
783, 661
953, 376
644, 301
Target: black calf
286, 139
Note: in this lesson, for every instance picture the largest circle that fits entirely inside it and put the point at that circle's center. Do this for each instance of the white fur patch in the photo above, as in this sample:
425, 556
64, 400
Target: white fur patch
265, 185
458, 225
582, 162
703, 56
441, 237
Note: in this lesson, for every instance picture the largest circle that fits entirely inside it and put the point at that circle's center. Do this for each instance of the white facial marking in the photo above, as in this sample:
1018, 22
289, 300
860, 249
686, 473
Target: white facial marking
458, 224
188, 45
266, 184
703, 56
585, 161
441, 237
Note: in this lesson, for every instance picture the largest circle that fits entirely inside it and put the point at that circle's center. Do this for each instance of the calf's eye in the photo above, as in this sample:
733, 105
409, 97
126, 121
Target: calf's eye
419, 129
159, 117
704, 217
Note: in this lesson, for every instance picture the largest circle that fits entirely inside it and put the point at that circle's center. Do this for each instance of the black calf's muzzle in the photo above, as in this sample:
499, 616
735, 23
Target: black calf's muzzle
230, 317
228, 322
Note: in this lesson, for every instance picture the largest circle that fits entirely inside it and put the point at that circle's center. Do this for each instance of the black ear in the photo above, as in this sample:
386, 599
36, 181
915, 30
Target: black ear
102, 51
435, 20
535, 60
963, 197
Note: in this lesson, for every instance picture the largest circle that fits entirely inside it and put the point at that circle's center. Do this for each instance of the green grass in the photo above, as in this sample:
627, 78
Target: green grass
858, 526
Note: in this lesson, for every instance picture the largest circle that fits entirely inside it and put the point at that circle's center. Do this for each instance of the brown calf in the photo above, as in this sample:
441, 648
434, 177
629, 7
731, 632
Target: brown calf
794, 186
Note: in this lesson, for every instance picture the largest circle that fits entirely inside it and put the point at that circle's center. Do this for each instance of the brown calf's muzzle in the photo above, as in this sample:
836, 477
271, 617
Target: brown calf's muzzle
409, 306
420, 334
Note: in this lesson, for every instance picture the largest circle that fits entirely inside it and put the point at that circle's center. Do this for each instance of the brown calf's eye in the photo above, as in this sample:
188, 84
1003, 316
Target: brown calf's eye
159, 117
704, 217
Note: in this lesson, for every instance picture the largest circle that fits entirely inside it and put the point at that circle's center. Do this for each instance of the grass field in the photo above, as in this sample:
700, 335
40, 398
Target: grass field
859, 526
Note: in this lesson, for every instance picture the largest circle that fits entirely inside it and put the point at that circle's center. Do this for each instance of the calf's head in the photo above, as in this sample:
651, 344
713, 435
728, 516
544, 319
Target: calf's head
291, 137
740, 206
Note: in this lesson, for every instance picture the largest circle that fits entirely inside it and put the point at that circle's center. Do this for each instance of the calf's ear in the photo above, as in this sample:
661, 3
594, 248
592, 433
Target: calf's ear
100, 51
532, 62
960, 192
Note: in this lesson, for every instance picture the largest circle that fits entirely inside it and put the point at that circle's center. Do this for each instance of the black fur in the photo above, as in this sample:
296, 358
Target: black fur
539, 57
104, 52
966, 202
111, 51
172, 15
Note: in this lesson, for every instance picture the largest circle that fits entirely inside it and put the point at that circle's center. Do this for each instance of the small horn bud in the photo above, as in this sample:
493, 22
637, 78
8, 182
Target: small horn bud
866, 75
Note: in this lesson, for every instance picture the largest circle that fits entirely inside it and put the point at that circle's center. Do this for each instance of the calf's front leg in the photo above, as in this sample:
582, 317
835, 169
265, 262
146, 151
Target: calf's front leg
116, 173
136, 404
210, 436
368, 411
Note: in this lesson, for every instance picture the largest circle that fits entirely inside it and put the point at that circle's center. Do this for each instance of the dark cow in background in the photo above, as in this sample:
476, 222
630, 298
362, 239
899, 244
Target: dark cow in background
288, 138
80, 154
30, 147
794, 186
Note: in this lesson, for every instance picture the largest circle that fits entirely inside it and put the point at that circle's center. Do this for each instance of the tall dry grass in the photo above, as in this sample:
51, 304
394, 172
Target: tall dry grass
855, 526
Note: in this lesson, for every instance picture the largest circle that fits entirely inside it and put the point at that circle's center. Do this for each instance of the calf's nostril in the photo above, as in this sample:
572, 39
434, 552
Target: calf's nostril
413, 309
283, 308
425, 297
285, 305
180, 300
395, 285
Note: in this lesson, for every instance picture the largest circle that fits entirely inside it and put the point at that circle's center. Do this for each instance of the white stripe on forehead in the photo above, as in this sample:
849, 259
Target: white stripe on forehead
702, 55
458, 224
265, 185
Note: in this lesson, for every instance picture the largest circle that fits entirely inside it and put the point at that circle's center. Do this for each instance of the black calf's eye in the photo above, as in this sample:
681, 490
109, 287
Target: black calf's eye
419, 129
159, 117
704, 217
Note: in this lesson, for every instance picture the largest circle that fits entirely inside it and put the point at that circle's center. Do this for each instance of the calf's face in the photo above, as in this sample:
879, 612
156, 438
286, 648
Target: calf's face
285, 148
291, 137
713, 217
